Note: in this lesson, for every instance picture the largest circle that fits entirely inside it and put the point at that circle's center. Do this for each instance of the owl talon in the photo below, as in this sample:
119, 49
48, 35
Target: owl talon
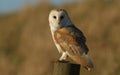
63, 61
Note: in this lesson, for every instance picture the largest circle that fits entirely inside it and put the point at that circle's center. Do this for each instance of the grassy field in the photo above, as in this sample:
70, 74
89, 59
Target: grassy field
26, 46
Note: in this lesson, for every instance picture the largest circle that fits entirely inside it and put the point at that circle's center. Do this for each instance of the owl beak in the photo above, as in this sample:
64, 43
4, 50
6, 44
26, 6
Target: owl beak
59, 21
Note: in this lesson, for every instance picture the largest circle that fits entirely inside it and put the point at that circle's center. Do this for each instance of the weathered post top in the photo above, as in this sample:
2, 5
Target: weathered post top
66, 68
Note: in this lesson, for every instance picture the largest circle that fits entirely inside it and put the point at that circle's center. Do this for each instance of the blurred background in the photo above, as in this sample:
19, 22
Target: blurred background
26, 46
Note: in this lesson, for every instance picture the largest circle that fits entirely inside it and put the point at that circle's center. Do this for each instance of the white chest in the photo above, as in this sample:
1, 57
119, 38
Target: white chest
56, 44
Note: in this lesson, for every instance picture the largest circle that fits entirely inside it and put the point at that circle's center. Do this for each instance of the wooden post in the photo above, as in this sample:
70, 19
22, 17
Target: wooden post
66, 68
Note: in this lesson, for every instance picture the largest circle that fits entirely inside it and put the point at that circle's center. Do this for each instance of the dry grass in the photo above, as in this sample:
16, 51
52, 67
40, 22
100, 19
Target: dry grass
26, 46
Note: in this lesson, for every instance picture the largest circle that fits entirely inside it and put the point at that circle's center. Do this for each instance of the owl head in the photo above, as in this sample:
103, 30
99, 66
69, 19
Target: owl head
59, 18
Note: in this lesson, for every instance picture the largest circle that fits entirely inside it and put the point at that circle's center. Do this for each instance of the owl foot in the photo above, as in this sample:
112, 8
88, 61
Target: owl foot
63, 61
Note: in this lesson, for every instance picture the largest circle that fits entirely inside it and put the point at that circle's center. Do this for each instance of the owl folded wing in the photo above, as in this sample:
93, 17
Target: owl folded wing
71, 41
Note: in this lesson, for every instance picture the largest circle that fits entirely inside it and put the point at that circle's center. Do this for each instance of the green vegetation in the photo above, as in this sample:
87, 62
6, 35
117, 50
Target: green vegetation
26, 46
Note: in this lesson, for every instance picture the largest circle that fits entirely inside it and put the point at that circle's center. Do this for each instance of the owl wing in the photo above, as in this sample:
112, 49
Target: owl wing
71, 40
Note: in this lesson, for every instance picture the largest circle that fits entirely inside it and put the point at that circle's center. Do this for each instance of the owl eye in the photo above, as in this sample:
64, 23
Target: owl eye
54, 17
61, 17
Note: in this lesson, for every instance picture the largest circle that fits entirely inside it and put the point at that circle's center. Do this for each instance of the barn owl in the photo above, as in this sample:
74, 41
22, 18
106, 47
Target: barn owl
69, 40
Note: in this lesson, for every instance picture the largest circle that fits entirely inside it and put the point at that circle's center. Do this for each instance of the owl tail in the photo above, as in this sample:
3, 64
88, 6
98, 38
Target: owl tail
83, 60
86, 62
